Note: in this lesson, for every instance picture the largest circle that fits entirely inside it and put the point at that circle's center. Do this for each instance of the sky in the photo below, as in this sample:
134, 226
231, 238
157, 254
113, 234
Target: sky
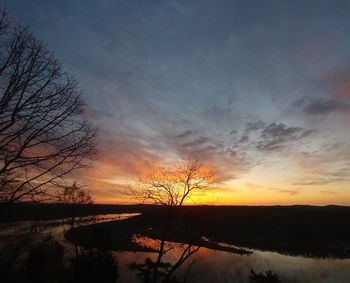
260, 90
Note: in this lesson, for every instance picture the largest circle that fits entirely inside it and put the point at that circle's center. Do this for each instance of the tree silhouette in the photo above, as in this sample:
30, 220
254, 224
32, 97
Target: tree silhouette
75, 197
170, 187
44, 136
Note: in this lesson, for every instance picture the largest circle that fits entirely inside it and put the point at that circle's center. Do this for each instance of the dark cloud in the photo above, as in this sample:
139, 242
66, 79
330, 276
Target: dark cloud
276, 136
318, 106
254, 125
232, 132
281, 131
244, 138
186, 134
250, 126
261, 136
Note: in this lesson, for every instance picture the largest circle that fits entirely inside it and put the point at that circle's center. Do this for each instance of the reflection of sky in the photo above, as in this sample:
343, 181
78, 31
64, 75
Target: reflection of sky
259, 89
229, 267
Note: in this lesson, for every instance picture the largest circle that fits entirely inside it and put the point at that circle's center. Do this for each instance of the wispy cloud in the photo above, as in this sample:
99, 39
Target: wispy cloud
292, 192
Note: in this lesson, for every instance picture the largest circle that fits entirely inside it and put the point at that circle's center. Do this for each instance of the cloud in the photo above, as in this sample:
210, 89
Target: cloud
124, 155
186, 134
321, 180
291, 192
250, 126
277, 136
264, 137
307, 181
254, 125
197, 142
318, 106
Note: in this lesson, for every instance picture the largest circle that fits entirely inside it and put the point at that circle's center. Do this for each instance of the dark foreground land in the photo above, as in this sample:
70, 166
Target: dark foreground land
295, 230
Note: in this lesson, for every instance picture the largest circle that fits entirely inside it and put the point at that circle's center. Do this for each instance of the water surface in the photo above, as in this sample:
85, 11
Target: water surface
205, 265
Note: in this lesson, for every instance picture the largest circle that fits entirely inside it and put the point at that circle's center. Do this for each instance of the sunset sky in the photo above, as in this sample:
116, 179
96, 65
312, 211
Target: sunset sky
260, 90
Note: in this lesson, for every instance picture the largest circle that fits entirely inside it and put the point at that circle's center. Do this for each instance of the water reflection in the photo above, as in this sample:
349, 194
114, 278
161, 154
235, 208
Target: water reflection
163, 268
37, 251
216, 266
31, 243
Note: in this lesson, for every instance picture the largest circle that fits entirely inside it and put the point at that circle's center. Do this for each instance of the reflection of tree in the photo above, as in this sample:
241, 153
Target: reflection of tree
187, 251
144, 271
267, 277
164, 270
170, 187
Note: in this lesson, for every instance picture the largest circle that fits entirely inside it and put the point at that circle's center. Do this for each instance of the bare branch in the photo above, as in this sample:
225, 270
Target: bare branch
171, 186
44, 136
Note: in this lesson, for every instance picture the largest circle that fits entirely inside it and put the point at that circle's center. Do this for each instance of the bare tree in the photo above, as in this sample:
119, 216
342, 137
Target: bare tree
75, 197
170, 187
44, 136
